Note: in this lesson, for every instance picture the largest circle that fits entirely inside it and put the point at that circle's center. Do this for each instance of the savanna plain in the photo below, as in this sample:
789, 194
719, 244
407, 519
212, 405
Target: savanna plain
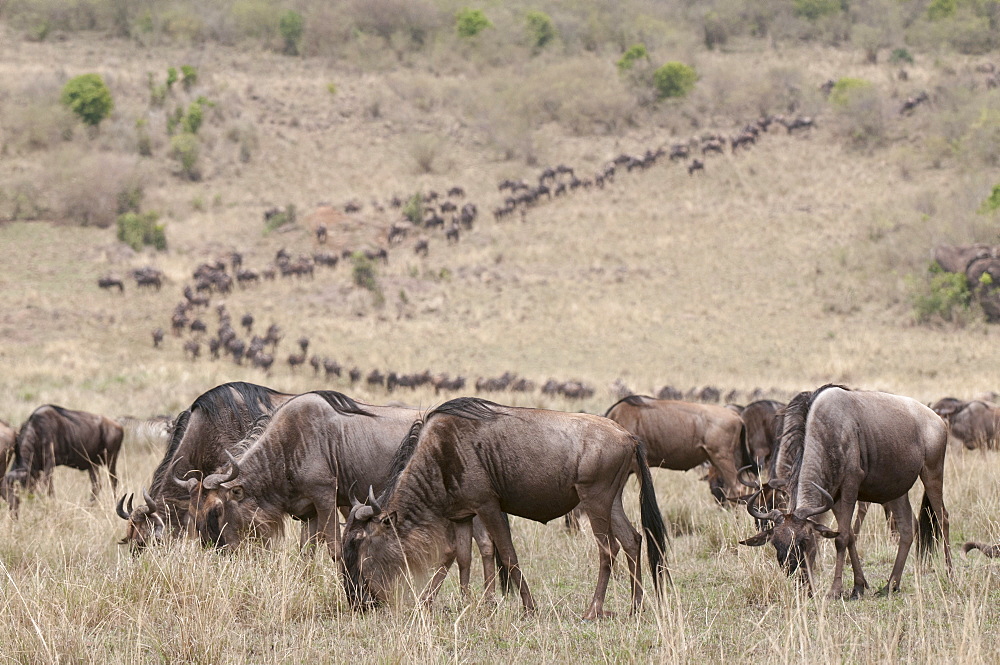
799, 260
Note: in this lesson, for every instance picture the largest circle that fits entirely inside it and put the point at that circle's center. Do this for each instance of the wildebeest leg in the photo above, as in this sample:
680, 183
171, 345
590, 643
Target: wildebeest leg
463, 554
48, 464
631, 542
328, 529
859, 519
499, 530
724, 462
448, 558
486, 551
843, 511
572, 520
599, 514
903, 515
95, 483
307, 536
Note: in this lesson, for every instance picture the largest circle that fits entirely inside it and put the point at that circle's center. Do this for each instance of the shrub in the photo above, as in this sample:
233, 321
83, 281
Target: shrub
291, 27
940, 9
992, 202
541, 29
815, 9
190, 76
901, 55
674, 79
185, 149
629, 58
364, 274
275, 219
137, 230
171, 77
470, 22
194, 117
846, 89
414, 209
89, 98
944, 295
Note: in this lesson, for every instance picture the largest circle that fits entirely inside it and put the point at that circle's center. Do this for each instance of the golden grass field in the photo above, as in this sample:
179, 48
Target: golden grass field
781, 268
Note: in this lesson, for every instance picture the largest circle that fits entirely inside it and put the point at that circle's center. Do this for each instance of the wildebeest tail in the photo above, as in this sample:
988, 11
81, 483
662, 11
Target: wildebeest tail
928, 528
652, 520
631, 400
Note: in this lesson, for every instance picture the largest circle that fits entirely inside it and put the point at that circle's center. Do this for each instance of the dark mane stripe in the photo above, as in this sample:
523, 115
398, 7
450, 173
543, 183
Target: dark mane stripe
787, 463
470, 408
223, 400
631, 400
72, 416
180, 426
402, 457
341, 403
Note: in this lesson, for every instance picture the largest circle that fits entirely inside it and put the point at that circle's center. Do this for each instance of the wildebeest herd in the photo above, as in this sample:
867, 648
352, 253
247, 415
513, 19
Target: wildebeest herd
417, 488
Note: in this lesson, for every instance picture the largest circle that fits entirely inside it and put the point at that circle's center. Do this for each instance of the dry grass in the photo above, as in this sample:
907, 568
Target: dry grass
781, 268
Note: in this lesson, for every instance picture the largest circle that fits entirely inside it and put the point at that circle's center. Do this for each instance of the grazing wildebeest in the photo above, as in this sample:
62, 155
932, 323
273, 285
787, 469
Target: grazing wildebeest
470, 457
53, 436
8, 436
976, 424
157, 337
681, 435
199, 439
111, 282
310, 460
760, 418
839, 447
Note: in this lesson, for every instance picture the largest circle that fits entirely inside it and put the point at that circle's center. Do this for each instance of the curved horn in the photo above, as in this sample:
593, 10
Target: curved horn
372, 501
739, 476
770, 516
149, 501
827, 502
188, 484
354, 502
120, 508
213, 481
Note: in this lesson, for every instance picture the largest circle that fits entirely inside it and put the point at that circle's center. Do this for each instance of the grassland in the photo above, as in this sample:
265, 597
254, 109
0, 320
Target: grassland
781, 268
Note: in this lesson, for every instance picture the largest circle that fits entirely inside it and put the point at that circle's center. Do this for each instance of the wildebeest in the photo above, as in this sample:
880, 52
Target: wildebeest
111, 282
54, 436
976, 423
681, 435
214, 423
8, 436
839, 447
315, 455
470, 457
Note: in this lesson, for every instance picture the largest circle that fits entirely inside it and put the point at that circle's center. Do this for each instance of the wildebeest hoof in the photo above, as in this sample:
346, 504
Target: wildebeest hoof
857, 592
592, 616
886, 591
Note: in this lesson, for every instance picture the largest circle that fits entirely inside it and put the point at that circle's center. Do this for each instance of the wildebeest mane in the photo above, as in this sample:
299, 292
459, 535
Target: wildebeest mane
401, 459
180, 426
341, 403
223, 400
787, 463
72, 416
469, 408
632, 400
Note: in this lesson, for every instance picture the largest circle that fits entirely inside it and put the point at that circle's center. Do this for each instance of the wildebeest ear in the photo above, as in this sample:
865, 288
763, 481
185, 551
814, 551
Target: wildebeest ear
825, 531
236, 493
758, 539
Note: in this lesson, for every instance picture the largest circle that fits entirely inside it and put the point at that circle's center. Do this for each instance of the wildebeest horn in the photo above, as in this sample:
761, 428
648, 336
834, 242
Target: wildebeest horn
213, 481
770, 516
739, 476
372, 501
188, 484
354, 502
827, 502
149, 501
120, 508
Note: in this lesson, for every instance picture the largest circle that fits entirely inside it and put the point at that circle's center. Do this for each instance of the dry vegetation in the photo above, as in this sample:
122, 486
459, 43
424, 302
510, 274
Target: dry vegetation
782, 267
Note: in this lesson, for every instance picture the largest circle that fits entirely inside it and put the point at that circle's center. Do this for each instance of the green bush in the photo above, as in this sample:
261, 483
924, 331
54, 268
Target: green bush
291, 27
541, 29
674, 79
277, 218
89, 98
846, 89
185, 148
190, 76
629, 58
940, 9
137, 230
364, 275
193, 118
470, 22
901, 55
815, 9
171, 77
414, 209
944, 295
992, 202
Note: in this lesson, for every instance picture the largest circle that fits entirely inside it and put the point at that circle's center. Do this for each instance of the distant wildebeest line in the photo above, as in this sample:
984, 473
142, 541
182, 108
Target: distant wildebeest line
470, 457
311, 458
201, 435
854, 445
54, 436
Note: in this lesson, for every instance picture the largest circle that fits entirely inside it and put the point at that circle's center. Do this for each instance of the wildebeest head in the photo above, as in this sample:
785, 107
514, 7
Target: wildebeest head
144, 524
370, 546
221, 512
794, 536
8, 491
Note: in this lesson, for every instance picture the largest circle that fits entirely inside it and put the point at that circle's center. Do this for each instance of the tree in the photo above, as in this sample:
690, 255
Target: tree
674, 79
470, 22
291, 26
89, 98
540, 28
